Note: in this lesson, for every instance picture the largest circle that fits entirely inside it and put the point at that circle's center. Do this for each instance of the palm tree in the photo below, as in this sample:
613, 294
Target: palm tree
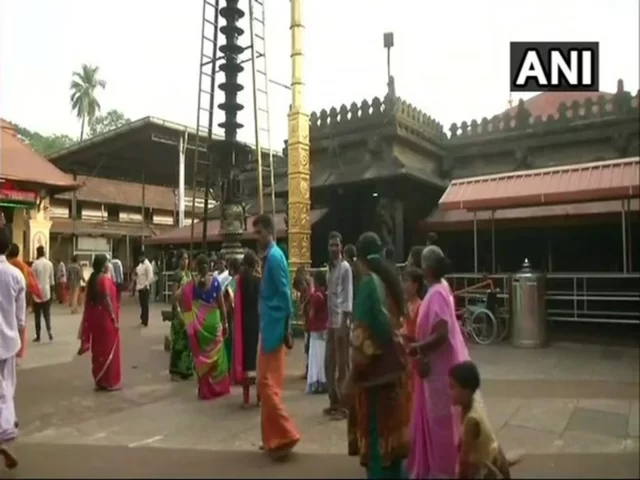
83, 94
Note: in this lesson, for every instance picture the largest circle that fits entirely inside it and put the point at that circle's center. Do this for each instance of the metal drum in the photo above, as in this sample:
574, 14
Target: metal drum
529, 314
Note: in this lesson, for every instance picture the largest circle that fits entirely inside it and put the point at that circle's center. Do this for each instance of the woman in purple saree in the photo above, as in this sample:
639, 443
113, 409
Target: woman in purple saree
435, 421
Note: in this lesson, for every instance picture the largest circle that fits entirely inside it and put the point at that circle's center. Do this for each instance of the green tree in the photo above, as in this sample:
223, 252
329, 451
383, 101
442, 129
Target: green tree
44, 144
109, 121
84, 86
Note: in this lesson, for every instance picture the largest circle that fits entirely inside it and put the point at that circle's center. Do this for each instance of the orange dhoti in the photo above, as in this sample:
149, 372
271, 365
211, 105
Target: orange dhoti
279, 433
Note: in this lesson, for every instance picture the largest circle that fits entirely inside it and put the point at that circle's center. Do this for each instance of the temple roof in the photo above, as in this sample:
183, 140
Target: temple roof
548, 112
20, 163
546, 104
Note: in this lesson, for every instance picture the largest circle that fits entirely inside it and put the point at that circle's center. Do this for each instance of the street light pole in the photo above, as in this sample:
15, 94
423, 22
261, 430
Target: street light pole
299, 174
388, 44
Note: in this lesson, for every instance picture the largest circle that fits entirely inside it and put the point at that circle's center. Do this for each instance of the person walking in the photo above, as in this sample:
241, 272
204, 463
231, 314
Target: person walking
43, 270
100, 327
33, 289
279, 433
340, 301
61, 282
144, 279
13, 312
74, 276
118, 274
378, 380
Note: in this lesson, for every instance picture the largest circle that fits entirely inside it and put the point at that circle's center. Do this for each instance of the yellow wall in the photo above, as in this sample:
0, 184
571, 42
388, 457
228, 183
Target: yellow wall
19, 227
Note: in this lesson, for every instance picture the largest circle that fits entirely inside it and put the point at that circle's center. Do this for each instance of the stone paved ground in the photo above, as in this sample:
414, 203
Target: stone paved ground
573, 409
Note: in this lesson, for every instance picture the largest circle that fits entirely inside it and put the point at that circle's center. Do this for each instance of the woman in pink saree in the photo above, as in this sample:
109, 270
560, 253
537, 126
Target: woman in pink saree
99, 329
435, 421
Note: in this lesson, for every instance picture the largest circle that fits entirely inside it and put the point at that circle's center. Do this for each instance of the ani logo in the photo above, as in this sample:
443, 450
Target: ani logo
554, 66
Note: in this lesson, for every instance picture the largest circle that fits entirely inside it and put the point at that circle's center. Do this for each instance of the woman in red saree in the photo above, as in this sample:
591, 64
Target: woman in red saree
99, 329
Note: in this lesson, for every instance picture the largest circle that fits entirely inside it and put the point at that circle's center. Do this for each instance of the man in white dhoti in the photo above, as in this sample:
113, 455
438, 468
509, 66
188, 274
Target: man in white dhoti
12, 322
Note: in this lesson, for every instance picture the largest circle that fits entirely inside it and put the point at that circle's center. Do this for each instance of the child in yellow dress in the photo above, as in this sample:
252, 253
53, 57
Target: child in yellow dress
480, 455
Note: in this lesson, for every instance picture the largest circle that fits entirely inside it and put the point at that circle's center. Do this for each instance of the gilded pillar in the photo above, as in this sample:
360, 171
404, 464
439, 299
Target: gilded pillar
299, 175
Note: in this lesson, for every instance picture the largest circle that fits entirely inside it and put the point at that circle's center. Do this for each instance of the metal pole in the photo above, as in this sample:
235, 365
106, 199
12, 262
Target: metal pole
181, 178
74, 213
256, 110
493, 242
388, 63
128, 256
630, 239
142, 223
272, 177
205, 218
624, 237
475, 243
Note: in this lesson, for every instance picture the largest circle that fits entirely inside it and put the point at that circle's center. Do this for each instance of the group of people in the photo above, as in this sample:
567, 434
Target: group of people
395, 364
230, 325
387, 348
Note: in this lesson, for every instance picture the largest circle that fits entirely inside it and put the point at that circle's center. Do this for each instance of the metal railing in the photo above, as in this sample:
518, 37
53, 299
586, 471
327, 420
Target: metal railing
570, 297
593, 297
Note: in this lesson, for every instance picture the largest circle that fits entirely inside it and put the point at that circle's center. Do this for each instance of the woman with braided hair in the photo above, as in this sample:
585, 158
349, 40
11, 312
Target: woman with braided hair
378, 380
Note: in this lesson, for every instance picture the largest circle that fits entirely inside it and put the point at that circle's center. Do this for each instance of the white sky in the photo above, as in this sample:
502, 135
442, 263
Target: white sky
450, 59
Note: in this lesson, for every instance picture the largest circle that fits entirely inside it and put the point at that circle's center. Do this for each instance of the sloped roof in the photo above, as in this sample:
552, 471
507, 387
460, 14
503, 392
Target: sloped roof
21, 163
586, 182
120, 192
182, 235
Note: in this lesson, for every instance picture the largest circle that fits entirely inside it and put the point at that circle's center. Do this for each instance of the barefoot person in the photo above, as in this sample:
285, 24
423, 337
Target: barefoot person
181, 358
378, 380
317, 321
205, 318
480, 455
435, 424
43, 270
100, 327
340, 300
246, 326
279, 434
12, 322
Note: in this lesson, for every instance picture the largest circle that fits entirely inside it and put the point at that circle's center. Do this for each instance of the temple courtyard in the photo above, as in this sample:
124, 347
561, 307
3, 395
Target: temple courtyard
571, 409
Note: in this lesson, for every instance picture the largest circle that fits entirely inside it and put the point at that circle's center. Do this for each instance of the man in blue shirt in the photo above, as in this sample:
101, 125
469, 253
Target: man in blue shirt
279, 433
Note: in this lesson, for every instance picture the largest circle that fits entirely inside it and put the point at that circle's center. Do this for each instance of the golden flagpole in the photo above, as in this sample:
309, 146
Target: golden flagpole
299, 175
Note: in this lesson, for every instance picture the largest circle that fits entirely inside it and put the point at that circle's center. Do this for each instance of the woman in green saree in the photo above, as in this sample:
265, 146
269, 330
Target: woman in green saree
181, 359
378, 380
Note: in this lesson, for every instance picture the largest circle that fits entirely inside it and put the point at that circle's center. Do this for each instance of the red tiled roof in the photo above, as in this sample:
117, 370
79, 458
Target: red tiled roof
461, 219
183, 235
119, 192
22, 164
66, 226
546, 104
589, 182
